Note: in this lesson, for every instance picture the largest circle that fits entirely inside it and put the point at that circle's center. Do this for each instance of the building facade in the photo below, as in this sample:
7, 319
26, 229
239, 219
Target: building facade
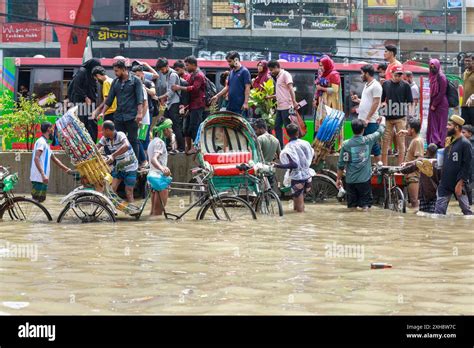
302, 30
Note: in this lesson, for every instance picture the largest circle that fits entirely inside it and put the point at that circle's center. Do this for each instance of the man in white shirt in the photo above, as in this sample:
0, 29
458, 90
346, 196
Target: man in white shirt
41, 163
369, 105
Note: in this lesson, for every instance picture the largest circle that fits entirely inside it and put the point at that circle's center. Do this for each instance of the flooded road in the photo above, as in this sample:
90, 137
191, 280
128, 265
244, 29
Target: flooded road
315, 263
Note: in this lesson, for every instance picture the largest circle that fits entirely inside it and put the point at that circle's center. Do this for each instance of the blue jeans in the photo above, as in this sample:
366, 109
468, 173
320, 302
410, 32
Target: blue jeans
443, 201
372, 128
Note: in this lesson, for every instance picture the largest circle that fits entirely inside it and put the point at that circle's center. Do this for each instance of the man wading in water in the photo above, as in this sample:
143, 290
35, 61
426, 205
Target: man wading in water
456, 169
297, 157
355, 158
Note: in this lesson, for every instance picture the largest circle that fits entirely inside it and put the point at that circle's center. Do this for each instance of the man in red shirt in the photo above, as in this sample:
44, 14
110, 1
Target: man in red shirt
197, 103
390, 56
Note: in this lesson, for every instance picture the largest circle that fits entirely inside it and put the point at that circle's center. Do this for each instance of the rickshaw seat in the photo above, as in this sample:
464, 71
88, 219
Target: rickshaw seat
225, 163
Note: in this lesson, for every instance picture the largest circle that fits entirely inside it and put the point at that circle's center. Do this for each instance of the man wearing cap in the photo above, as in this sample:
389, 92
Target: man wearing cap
456, 169
397, 102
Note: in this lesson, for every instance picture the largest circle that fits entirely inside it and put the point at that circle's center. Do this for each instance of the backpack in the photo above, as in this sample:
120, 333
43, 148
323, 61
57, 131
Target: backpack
211, 91
452, 94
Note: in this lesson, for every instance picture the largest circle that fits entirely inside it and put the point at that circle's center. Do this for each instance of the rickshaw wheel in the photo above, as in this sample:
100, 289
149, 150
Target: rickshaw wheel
399, 203
25, 209
236, 208
323, 188
86, 209
269, 204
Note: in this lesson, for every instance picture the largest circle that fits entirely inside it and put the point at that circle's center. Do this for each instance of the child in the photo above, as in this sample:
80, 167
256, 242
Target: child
41, 163
158, 156
429, 179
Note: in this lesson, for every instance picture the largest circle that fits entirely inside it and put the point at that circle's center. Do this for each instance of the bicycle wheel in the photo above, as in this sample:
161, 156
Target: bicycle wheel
398, 203
226, 208
25, 209
269, 204
324, 188
86, 209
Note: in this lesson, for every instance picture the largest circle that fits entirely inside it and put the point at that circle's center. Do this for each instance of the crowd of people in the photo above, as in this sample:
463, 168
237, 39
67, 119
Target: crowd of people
170, 102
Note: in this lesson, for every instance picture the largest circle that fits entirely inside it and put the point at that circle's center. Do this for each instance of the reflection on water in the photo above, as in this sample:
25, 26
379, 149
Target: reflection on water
316, 263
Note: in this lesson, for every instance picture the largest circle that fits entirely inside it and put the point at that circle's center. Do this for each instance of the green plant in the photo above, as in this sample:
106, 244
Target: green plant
21, 119
264, 106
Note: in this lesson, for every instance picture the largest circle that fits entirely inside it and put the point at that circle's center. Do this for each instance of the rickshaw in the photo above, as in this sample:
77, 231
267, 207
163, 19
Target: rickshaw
94, 200
228, 143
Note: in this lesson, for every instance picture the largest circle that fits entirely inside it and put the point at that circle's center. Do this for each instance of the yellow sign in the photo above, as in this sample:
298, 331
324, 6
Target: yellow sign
106, 34
382, 3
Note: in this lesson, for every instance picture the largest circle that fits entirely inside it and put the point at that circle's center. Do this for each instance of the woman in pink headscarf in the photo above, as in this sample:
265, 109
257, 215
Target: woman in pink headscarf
439, 107
328, 90
263, 75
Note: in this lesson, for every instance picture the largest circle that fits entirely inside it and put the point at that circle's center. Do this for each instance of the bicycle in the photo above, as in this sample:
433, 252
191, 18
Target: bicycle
19, 208
394, 198
259, 192
214, 205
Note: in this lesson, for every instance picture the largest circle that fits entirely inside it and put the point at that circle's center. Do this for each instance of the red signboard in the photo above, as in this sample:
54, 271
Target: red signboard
22, 32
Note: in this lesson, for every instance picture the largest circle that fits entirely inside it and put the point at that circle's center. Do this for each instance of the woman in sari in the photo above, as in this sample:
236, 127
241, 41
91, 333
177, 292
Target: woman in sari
328, 90
439, 106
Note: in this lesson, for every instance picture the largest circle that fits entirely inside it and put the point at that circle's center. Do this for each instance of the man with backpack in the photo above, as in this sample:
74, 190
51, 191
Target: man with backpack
197, 102
172, 100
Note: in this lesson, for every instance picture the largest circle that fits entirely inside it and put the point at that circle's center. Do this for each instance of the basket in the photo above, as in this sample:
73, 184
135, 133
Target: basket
95, 171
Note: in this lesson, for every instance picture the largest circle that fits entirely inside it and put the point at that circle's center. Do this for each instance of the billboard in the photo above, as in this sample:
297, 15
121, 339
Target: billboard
22, 32
155, 10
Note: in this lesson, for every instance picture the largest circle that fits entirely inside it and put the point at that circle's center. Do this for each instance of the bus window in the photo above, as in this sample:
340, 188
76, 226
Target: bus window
304, 90
67, 77
355, 85
46, 81
24, 80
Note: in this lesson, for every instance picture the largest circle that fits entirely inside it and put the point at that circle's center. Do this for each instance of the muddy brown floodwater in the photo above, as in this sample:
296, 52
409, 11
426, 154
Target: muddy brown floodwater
315, 263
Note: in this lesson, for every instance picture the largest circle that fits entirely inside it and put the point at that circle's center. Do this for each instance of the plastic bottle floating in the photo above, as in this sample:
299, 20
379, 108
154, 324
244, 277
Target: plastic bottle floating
380, 265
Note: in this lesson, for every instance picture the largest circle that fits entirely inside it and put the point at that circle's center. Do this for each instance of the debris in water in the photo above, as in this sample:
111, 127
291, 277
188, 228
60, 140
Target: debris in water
380, 265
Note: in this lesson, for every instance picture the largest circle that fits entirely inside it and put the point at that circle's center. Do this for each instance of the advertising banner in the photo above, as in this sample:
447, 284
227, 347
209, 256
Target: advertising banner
155, 10
22, 32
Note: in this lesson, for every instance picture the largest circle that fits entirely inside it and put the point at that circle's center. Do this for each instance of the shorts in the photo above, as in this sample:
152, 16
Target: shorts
38, 191
413, 179
299, 187
359, 195
129, 178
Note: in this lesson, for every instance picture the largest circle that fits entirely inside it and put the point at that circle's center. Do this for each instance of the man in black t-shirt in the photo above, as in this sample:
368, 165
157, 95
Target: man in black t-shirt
397, 103
455, 173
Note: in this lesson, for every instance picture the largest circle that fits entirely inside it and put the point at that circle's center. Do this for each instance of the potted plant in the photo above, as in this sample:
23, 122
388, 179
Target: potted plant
21, 120
264, 106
